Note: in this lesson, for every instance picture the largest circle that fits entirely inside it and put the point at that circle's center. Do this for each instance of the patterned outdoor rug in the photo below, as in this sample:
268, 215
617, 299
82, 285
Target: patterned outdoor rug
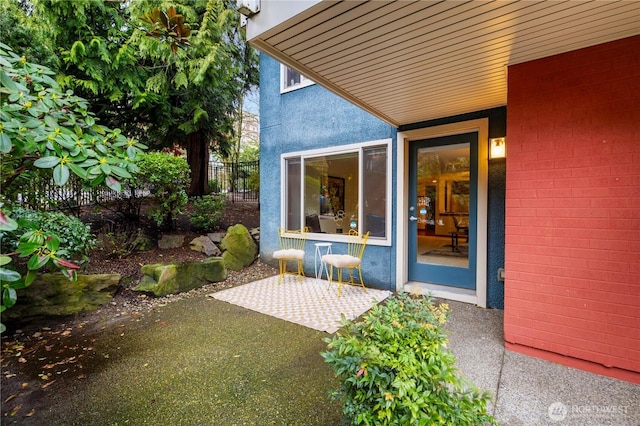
309, 303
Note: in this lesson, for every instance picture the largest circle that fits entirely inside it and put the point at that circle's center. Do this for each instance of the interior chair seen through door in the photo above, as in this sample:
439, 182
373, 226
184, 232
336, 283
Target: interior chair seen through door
462, 228
291, 249
352, 260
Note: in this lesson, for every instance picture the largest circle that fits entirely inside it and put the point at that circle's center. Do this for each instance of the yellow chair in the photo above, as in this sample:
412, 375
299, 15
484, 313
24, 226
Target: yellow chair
291, 249
352, 260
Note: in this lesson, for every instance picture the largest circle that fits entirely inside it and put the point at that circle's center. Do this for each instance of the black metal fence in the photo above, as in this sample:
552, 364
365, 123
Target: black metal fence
41, 193
237, 181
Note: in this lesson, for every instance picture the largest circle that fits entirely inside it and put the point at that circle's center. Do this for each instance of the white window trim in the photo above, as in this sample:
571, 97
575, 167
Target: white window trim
356, 147
304, 81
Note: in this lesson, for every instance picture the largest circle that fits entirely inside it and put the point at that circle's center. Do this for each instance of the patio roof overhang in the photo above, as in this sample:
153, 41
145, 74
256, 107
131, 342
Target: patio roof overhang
411, 61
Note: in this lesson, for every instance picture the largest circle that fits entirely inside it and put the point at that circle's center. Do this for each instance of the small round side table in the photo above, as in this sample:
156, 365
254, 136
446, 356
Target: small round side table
317, 260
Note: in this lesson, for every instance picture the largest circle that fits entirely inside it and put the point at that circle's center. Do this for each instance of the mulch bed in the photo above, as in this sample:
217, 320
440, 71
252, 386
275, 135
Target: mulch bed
128, 265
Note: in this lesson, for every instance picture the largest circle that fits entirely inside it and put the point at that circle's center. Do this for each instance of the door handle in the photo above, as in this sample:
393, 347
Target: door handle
413, 218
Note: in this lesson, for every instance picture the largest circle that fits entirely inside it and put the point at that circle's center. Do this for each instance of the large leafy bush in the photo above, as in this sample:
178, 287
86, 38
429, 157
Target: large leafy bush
395, 369
43, 127
168, 177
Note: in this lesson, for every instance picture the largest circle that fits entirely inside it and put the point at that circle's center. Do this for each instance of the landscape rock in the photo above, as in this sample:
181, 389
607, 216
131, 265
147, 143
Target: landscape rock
216, 237
162, 280
205, 245
54, 295
170, 241
142, 243
239, 248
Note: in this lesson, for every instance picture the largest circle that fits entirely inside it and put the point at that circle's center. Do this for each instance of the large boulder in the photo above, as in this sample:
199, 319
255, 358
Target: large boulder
239, 248
162, 279
55, 295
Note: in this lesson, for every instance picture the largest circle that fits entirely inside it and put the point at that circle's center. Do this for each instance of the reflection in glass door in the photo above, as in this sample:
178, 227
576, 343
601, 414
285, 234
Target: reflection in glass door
442, 197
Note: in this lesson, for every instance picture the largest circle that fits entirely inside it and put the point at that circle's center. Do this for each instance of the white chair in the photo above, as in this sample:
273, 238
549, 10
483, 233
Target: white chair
291, 249
352, 260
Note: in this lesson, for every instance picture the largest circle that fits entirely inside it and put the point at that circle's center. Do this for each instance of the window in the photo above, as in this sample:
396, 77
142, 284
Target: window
334, 190
291, 79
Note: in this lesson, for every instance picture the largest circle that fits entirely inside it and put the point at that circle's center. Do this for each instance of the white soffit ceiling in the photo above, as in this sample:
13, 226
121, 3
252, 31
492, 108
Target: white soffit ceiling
410, 61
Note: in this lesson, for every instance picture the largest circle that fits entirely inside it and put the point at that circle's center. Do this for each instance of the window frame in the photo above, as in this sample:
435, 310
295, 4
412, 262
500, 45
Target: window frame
336, 150
304, 81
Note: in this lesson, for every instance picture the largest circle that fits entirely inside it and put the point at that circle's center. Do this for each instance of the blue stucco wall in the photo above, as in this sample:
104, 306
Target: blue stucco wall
312, 118
304, 119
495, 233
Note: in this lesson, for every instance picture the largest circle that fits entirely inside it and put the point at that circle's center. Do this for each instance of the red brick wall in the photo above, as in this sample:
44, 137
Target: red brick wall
572, 255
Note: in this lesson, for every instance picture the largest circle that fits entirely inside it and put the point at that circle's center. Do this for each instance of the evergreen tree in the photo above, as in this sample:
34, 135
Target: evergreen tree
99, 59
203, 83
158, 90
24, 32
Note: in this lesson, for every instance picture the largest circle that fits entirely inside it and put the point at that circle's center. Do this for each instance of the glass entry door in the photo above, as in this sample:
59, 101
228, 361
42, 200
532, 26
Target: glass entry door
442, 210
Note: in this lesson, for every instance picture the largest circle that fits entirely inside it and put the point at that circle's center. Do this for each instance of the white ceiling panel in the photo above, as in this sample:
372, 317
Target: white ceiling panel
410, 61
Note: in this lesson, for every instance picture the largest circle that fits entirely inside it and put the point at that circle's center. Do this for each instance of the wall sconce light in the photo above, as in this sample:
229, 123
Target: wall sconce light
497, 148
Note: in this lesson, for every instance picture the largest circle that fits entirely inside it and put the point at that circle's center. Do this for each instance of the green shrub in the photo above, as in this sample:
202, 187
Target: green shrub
214, 186
168, 176
395, 369
76, 240
254, 181
122, 244
207, 211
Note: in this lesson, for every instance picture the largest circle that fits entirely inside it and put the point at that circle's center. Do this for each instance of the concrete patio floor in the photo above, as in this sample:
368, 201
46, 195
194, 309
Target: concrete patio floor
530, 391
202, 361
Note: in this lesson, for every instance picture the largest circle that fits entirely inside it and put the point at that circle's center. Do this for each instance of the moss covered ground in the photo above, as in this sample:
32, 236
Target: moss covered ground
197, 362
